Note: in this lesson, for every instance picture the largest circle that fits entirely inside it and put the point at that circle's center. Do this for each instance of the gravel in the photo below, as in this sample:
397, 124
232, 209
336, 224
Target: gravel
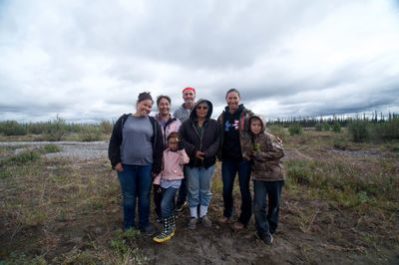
70, 150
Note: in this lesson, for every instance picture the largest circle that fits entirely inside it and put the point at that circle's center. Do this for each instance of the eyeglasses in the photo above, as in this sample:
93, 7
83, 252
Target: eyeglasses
202, 107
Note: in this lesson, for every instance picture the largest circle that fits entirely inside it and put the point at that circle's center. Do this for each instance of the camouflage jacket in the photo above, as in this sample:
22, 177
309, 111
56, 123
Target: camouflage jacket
265, 151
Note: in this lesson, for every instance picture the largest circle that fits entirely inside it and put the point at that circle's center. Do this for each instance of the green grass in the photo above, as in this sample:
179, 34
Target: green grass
44, 195
345, 183
59, 211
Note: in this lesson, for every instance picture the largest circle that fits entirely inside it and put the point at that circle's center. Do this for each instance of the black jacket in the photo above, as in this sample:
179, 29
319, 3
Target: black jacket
114, 149
207, 142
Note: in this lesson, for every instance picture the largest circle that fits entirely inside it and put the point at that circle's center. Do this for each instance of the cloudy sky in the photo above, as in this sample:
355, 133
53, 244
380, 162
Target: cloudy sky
88, 60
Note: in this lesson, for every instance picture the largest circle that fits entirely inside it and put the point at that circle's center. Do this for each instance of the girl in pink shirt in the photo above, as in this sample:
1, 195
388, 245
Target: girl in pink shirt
170, 180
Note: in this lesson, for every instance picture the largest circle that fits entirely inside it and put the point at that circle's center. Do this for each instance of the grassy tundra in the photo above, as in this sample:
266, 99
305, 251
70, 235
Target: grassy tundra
340, 205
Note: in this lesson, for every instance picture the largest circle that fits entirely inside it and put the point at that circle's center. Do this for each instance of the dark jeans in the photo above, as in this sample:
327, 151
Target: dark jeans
267, 205
182, 195
168, 202
229, 170
157, 196
135, 183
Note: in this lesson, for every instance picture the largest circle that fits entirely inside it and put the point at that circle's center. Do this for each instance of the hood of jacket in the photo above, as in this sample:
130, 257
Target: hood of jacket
262, 123
239, 110
193, 115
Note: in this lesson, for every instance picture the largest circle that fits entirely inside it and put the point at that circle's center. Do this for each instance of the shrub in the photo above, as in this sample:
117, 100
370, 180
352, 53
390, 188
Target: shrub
56, 129
278, 131
326, 127
336, 127
295, 129
340, 144
89, 133
388, 130
22, 158
50, 148
38, 127
299, 172
359, 131
106, 127
318, 127
9, 128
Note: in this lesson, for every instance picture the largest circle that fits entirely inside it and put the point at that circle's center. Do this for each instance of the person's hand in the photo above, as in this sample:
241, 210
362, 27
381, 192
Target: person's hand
251, 153
181, 146
119, 167
247, 155
279, 140
200, 155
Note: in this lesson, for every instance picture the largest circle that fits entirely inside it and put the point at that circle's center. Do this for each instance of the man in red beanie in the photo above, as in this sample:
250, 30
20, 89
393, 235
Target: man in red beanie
183, 113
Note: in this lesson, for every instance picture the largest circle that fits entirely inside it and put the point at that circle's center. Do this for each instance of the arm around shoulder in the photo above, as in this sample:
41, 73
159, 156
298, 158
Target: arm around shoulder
273, 149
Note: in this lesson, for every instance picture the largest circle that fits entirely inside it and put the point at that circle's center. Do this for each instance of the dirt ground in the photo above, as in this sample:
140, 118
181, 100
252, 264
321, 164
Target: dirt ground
311, 231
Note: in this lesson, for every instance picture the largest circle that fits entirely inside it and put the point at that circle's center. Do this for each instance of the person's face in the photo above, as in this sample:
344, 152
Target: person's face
202, 110
256, 126
233, 101
164, 106
173, 144
144, 107
188, 96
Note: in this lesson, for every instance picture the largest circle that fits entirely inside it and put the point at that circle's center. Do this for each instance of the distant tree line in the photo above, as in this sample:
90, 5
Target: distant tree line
361, 128
56, 130
342, 120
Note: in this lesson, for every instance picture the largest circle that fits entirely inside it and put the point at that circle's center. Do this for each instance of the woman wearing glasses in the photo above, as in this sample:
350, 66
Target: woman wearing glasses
200, 136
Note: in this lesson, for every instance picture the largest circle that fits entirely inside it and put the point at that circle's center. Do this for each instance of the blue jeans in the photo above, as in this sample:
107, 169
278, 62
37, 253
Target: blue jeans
135, 183
229, 171
267, 205
168, 202
199, 183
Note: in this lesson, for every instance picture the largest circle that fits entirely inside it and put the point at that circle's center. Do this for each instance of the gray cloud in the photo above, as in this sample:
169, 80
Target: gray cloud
287, 57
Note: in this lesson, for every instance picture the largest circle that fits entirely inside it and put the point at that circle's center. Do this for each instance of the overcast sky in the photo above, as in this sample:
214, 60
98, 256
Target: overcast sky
88, 60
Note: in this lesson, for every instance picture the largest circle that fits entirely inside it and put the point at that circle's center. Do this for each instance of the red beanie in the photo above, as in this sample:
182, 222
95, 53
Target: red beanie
189, 88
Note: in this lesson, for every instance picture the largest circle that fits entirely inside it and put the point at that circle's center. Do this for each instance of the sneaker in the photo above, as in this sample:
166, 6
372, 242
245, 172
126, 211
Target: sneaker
206, 221
267, 239
224, 220
238, 226
180, 206
192, 224
149, 230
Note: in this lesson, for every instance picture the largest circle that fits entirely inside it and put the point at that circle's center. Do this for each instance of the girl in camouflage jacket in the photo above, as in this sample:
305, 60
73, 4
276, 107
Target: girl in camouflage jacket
265, 151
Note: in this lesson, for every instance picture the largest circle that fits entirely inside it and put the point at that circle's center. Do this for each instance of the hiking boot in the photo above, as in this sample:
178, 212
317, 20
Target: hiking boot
180, 206
224, 220
238, 226
192, 224
206, 221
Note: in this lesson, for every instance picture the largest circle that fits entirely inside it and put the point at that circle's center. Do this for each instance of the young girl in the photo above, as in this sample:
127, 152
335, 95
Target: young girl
265, 151
170, 180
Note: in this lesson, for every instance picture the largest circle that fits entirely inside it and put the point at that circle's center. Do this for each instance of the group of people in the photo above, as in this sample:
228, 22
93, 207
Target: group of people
175, 156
